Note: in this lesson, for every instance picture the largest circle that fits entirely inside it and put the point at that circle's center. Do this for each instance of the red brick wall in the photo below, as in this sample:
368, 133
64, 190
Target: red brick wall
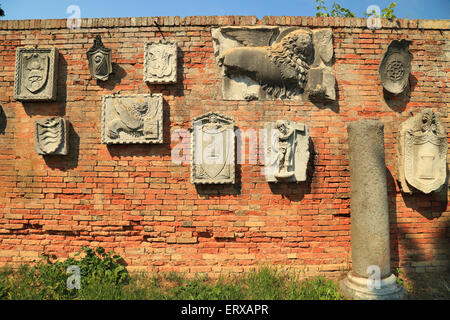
134, 200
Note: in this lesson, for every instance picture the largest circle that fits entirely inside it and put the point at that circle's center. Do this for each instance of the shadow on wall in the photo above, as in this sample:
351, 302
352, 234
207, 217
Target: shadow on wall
3, 121
52, 109
398, 102
425, 205
332, 105
69, 161
115, 78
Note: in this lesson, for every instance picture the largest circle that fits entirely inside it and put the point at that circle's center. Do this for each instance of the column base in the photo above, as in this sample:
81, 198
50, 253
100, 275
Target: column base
356, 288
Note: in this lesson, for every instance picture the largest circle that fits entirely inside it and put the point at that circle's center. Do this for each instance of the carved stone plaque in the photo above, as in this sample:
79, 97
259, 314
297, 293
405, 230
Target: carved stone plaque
51, 136
128, 119
422, 153
99, 58
160, 62
213, 149
286, 151
396, 66
36, 74
269, 63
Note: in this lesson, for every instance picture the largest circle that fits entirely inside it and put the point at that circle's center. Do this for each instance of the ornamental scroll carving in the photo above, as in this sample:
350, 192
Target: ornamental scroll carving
99, 58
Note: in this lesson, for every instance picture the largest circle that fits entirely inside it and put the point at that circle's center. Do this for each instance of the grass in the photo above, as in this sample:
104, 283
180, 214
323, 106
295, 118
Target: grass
103, 277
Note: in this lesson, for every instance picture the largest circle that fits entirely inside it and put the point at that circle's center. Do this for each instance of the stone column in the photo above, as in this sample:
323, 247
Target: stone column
371, 277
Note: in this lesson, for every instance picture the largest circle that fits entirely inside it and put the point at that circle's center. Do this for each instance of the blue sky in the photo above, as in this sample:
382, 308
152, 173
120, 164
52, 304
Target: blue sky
56, 9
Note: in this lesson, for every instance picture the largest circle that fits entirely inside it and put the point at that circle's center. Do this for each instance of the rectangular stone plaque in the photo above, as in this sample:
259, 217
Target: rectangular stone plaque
129, 119
213, 149
36, 74
160, 62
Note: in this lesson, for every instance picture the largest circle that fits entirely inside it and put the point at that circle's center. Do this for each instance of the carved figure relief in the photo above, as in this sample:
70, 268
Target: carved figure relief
132, 119
99, 58
286, 151
396, 66
35, 76
269, 63
160, 62
51, 136
213, 154
422, 153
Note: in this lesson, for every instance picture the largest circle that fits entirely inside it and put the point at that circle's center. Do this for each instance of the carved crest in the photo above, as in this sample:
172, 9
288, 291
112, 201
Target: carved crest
51, 136
286, 151
422, 153
35, 77
99, 58
396, 66
213, 149
160, 62
132, 119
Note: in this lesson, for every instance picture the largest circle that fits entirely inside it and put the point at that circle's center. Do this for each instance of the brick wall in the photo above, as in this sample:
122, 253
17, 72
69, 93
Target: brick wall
134, 200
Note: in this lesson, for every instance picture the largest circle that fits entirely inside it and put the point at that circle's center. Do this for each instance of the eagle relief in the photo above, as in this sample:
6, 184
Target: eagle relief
35, 75
128, 119
422, 153
270, 63
160, 62
51, 136
213, 154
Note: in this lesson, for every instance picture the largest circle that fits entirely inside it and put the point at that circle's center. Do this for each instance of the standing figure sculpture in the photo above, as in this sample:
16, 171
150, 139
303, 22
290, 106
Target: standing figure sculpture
285, 133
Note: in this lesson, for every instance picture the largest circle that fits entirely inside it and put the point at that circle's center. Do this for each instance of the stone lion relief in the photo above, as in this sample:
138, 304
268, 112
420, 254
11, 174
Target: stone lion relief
160, 62
395, 66
213, 154
286, 151
36, 74
51, 136
270, 63
128, 119
422, 153
99, 58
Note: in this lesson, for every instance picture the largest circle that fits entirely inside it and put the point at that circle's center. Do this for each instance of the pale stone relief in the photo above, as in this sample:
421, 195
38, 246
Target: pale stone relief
51, 136
270, 63
160, 62
395, 66
286, 151
36, 74
213, 149
99, 58
132, 119
422, 153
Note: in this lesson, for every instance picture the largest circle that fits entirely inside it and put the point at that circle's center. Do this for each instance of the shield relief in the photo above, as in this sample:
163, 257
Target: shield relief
425, 161
36, 72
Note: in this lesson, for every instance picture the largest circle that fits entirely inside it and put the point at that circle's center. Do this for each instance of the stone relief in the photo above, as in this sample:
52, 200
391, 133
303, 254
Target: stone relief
270, 63
160, 62
213, 149
132, 119
36, 74
395, 66
422, 153
51, 136
99, 58
286, 151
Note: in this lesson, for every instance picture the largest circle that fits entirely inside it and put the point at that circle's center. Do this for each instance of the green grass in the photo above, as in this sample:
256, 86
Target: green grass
103, 277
